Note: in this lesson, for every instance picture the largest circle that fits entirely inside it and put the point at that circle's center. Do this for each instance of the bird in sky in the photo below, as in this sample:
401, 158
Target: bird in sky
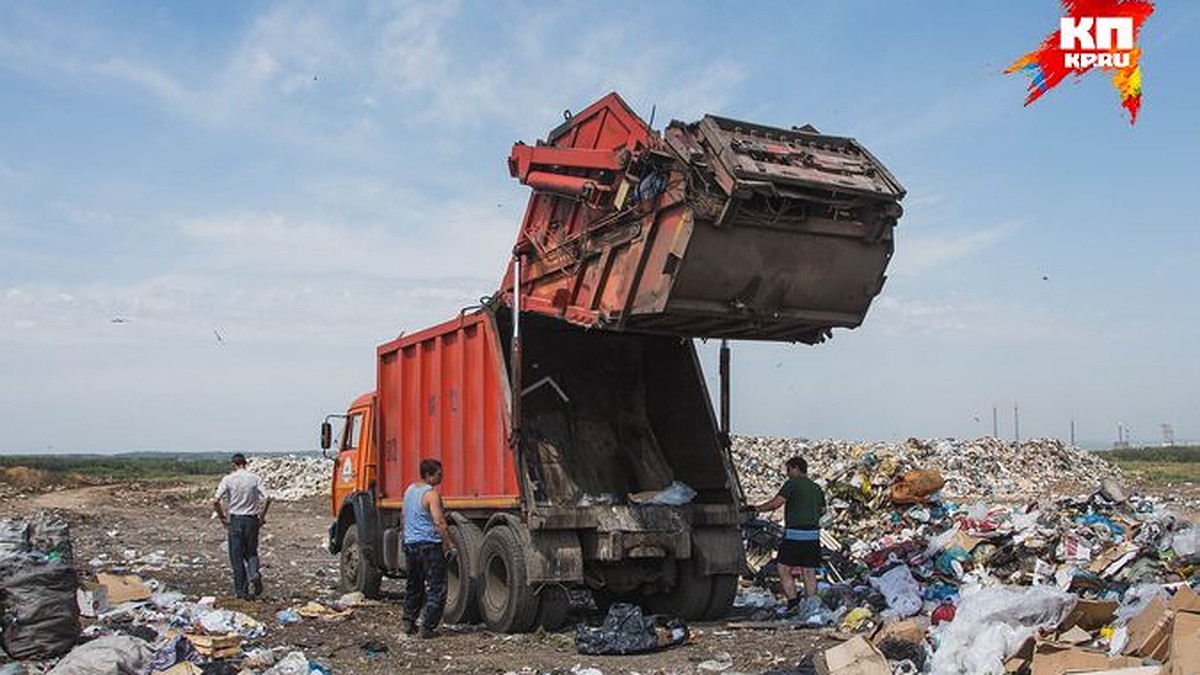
220, 340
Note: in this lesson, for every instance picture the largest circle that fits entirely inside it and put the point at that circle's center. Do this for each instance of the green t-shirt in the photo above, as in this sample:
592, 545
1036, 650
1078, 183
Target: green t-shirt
805, 503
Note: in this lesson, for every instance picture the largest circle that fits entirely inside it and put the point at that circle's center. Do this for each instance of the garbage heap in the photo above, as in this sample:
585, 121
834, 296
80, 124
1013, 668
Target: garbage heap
948, 575
291, 478
982, 468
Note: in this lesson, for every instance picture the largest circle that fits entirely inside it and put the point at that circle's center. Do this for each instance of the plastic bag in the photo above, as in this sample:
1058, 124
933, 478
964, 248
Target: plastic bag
990, 624
901, 591
41, 614
627, 631
675, 494
1186, 544
14, 536
51, 535
108, 655
295, 663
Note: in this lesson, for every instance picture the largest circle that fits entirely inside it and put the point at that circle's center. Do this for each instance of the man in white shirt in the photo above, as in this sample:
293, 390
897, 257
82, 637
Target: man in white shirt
247, 511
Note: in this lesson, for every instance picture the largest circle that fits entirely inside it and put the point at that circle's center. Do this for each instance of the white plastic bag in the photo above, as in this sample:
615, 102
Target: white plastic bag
991, 624
901, 591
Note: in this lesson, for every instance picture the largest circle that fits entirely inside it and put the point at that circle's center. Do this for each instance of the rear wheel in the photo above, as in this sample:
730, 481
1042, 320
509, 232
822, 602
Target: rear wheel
506, 602
355, 573
689, 599
724, 590
462, 575
554, 603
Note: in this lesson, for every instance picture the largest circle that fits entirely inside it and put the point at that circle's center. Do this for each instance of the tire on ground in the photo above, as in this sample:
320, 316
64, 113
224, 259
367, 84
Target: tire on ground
507, 603
724, 590
689, 599
554, 603
462, 574
354, 572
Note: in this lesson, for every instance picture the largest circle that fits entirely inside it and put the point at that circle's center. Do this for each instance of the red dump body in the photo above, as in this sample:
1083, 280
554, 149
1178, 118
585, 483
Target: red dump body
443, 393
718, 228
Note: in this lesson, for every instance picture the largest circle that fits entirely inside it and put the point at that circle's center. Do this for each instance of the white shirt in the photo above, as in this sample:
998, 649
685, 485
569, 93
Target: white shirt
245, 492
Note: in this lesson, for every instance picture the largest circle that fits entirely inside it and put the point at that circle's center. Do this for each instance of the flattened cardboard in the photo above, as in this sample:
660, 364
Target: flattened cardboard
122, 588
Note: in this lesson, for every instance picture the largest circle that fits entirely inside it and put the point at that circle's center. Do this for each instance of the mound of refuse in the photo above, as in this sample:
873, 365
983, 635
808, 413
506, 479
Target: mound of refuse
983, 468
291, 478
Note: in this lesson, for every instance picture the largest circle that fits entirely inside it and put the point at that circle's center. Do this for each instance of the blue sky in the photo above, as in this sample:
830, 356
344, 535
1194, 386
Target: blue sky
309, 179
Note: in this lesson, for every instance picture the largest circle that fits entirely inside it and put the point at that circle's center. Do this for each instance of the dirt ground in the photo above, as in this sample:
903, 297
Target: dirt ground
166, 533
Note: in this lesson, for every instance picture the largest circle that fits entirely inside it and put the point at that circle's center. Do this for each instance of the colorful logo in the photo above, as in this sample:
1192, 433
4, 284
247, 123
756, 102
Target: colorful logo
1094, 34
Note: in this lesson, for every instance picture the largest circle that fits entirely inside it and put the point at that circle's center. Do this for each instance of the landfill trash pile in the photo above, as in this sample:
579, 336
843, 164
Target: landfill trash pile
948, 585
291, 478
983, 468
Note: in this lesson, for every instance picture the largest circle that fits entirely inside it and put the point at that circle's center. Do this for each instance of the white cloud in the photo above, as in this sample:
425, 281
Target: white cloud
919, 254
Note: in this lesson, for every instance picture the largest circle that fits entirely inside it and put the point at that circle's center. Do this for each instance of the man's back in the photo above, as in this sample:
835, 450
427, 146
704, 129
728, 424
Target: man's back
245, 492
805, 503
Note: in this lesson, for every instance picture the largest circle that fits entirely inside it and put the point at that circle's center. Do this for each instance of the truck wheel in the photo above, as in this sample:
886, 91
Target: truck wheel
506, 601
355, 573
724, 590
553, 605
689, 599
462, 575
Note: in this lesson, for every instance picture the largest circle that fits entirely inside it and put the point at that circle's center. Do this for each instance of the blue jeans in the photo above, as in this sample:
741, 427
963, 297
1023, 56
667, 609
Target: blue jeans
243, 552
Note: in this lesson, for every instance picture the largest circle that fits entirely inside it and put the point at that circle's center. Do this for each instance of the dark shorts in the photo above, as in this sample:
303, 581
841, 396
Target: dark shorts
794, 553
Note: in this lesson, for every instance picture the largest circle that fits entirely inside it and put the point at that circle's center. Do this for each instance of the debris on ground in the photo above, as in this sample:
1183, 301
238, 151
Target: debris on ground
626, 630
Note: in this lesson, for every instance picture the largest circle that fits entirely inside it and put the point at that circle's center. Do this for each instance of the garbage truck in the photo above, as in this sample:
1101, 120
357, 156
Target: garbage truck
581, 447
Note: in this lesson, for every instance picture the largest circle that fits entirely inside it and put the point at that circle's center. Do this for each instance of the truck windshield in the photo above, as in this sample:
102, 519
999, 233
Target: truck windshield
353, 432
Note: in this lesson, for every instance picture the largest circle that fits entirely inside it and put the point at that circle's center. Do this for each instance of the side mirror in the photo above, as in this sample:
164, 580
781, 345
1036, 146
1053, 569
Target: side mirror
326, 435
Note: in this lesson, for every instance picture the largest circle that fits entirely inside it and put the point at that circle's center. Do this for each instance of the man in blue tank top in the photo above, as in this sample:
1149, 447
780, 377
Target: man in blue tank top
427, 543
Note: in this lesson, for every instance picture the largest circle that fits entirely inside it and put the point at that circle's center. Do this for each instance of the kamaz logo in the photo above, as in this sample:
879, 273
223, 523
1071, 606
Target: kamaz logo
1088, 41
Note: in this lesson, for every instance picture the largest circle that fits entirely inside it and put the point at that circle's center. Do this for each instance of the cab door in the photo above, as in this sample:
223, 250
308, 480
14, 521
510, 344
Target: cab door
351, 452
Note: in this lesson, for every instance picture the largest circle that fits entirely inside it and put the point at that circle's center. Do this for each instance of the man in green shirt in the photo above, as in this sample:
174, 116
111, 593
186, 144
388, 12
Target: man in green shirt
801, 545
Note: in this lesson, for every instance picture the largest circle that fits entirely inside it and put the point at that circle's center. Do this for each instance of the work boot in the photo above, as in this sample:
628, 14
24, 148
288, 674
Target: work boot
256, 587
409, 627
427, 633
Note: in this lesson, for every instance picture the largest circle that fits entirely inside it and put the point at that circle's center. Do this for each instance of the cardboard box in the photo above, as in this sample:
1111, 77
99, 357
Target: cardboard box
1089, 615
856, 656
1150, 631
908, 630
1055, 660
123, 588
1185, 600
1185, 644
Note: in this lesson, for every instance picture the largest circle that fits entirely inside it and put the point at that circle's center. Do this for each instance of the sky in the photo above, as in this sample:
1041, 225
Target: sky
259, 193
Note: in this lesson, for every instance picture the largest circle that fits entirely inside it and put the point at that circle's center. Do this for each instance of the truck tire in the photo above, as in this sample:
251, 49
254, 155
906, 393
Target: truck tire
354, 572
462, 574
724, 590
506, 601
553, 606
688, 599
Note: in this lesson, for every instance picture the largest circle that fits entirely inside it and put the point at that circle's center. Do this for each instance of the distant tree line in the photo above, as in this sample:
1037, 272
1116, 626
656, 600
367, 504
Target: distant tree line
120, 466
1177, 454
